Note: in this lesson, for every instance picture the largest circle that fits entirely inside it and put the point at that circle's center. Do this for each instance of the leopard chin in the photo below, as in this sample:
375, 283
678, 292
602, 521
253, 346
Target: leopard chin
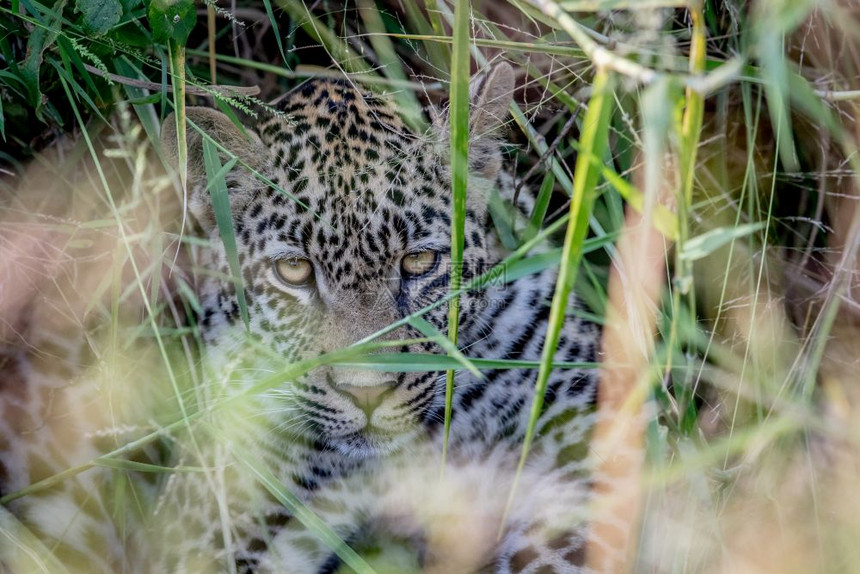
369, 443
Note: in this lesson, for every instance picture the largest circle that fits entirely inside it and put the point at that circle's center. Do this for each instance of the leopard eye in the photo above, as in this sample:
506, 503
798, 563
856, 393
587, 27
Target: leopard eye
294, 271
421, 263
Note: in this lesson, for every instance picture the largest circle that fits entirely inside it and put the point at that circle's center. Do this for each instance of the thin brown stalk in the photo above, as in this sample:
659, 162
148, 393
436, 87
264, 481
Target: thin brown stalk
193, 90
636, 280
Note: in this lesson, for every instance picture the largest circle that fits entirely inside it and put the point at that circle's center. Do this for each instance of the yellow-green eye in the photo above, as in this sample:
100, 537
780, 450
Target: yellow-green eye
294, 271
420, 263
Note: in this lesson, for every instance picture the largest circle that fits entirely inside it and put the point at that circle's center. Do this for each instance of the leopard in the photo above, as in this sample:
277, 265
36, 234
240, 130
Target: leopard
341, 222
316, 440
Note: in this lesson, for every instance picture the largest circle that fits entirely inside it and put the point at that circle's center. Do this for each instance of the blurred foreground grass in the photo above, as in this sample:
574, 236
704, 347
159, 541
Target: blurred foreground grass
729, 128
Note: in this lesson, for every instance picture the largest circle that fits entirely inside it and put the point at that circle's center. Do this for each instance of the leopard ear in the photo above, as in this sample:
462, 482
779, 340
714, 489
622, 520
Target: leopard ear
245, 145
490, 97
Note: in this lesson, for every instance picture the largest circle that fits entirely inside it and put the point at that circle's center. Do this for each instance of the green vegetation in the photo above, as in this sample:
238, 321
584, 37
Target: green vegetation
728, 126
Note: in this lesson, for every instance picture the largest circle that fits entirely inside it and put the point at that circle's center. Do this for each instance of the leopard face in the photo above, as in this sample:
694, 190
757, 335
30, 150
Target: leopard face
344, 230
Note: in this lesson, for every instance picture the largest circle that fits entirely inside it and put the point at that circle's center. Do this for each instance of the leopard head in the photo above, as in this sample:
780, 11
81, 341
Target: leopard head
341, 219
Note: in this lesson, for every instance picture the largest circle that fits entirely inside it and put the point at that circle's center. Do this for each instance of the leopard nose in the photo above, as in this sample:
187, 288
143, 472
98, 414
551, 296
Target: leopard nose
368, 398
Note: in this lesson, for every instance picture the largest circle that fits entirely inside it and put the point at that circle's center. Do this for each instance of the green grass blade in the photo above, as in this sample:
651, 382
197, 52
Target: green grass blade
82, 94
593, 143
407, 102
685, 254
438, 54
177, 70
703, 245
541, 146
346, 57
274, 22
436, 23
459, 118
433, 334
338, 49
427, 362
540, 207
221, 173
134, 466
224, 219
137, 96
504, 217
770, 46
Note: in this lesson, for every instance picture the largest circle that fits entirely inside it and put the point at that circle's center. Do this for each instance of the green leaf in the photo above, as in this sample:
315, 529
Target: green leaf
172, 20
99, 16
42, 38
708, 242
129, 5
